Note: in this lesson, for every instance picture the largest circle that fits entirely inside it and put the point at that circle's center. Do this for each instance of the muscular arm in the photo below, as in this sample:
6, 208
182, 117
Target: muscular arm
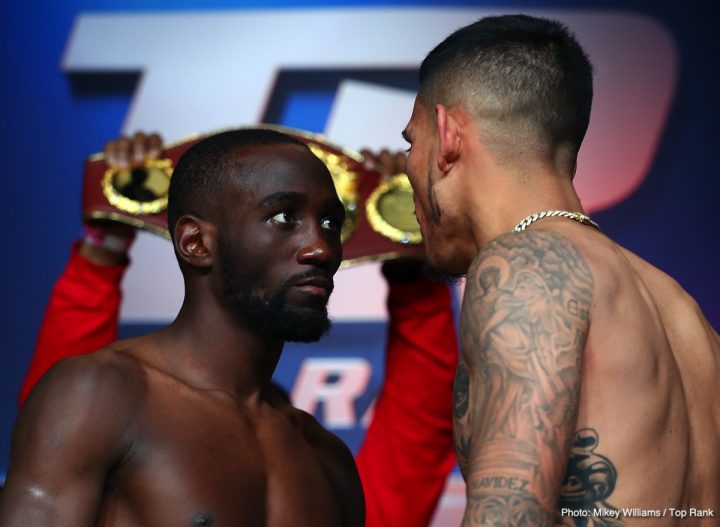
72, 430
518, 381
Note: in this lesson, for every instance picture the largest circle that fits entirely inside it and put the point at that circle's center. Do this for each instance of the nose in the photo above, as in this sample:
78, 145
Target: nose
319, 249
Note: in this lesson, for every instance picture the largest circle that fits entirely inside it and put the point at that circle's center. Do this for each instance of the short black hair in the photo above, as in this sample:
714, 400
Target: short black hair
198, 178
514, 69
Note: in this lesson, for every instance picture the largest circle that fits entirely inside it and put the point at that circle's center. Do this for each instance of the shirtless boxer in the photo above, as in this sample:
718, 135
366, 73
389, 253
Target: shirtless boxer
587, 388
181, 427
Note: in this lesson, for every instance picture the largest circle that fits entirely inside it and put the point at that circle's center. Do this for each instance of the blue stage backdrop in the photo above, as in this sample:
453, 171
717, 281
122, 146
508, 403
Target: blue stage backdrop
77, 73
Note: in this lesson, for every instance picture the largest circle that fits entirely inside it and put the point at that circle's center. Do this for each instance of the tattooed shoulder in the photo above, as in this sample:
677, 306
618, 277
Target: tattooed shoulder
534, 274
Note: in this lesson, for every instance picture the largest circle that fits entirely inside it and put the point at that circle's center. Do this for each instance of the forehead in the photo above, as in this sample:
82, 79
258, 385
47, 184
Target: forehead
418, 119
281, 168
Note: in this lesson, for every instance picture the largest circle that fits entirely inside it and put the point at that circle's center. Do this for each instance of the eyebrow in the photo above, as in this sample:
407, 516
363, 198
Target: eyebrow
280, 197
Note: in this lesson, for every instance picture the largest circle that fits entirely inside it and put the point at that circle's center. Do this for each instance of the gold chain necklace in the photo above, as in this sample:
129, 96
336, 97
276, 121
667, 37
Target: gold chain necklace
576, 216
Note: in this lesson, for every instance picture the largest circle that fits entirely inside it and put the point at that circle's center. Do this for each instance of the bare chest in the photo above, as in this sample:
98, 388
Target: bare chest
199, 464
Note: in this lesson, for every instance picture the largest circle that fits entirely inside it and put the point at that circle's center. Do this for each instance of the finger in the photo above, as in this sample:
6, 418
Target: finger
154, 145
369, 160
122, 152
399, 162
111, 153
386, 162
139, 148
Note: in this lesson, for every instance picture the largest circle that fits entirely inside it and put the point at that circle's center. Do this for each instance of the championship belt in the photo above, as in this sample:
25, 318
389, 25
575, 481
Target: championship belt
380, 222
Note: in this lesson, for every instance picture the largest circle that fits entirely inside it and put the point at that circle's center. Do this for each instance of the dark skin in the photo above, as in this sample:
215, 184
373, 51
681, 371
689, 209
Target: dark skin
182, 427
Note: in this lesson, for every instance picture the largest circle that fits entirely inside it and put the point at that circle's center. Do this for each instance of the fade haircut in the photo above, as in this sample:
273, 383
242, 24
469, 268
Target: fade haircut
526, 78
201, 173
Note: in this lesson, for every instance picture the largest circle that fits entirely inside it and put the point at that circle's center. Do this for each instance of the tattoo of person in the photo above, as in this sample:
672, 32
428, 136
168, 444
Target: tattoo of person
524, 322
589, 481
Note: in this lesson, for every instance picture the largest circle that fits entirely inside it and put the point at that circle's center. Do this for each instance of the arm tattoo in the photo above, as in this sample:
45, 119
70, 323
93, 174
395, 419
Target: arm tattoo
501, 510
460, 410
525, 318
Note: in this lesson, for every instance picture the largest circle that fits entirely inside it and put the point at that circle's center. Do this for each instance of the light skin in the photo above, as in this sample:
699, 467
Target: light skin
182, 427
587, 378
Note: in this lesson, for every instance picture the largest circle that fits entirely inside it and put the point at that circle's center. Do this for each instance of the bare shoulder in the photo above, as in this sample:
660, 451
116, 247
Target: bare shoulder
334, 452
667, 288
84, 396
324, 440
340, 464
74, 427
528, 297
680, 315
328, 445
534, 266
545, 250
91, 378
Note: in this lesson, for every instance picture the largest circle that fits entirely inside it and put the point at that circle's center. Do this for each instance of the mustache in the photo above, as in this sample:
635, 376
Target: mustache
313, 276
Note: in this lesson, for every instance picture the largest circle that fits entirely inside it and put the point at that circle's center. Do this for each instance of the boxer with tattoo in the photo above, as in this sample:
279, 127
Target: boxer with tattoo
587, 386
182, 427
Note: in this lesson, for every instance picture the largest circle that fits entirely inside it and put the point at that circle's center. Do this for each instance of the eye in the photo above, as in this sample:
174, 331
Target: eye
283, 218
331, 224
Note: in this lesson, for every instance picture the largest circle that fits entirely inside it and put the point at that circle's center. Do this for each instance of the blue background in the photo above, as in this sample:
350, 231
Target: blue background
50, 123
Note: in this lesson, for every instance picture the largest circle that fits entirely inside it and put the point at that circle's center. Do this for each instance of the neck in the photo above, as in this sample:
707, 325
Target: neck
212, 349
509, 195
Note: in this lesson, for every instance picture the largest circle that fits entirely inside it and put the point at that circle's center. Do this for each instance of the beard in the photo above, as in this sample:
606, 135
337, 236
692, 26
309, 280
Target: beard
435, 211
435, 265
442, 277
449, 247
272, 317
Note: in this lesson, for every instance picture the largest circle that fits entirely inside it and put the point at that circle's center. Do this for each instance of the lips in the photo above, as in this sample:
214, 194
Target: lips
315, 285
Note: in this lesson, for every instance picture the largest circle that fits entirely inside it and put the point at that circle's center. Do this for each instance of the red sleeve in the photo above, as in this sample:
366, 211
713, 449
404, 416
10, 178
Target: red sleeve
408, 449
82, 315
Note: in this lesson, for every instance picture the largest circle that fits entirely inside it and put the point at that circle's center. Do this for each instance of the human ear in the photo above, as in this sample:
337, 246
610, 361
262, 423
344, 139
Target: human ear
449, 138
195, 240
